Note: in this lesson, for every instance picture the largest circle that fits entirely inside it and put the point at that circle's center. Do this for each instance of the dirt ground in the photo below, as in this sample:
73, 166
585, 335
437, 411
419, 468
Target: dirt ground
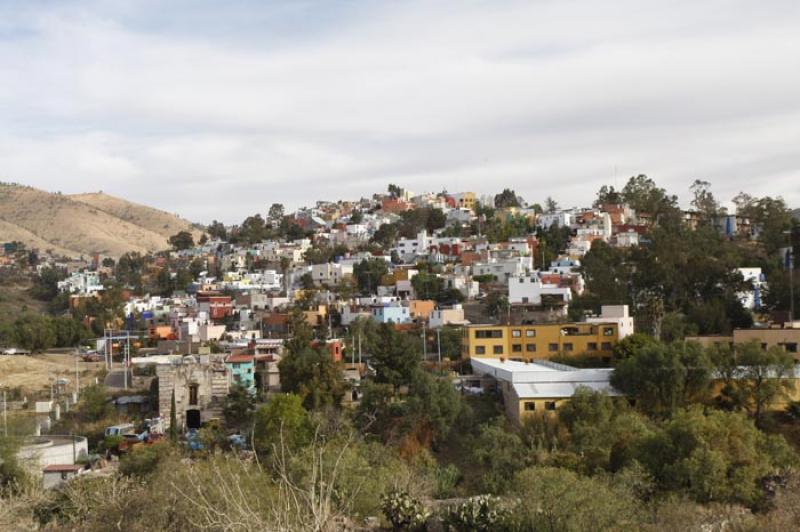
34, 373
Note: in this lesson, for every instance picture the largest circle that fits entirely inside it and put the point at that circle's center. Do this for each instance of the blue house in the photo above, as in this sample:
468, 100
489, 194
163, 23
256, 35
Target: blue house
243, 370
391, 314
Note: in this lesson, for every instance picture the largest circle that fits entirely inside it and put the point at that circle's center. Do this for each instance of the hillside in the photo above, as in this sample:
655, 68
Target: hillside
92, 223
155, 220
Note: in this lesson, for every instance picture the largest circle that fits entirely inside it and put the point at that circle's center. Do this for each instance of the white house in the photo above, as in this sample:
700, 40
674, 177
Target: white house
618, 314
529, 288
83, 283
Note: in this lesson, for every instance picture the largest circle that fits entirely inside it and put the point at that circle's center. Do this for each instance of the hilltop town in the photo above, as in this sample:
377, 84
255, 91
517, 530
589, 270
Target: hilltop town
451, 354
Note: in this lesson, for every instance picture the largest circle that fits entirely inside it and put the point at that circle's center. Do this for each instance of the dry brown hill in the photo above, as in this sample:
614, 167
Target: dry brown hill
93, 223
155, 220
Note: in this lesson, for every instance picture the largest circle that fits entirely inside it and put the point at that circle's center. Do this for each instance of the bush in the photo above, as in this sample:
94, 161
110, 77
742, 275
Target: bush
143, 460
483, 513
404, 511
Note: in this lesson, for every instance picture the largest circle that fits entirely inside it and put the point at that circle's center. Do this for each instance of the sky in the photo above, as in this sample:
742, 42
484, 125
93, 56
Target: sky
216, 109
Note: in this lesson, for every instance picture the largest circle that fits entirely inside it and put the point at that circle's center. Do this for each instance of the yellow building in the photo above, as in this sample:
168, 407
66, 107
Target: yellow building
540, 387
542, 341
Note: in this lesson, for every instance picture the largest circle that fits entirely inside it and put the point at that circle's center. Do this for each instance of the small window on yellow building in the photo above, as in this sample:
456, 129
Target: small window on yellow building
480, 350
530, 406
549, 405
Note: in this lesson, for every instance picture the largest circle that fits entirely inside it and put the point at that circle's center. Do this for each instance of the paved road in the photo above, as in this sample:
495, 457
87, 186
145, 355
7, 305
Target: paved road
116, 378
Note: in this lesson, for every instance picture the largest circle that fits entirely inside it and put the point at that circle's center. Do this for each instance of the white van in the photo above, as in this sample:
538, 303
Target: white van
119, 430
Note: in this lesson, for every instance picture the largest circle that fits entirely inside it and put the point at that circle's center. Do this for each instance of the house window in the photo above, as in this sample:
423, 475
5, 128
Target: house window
193, 392
764, 346
516, 333
608, 331
530, 348
591, 346
792, 347
530, 406
606, 346
490, 333
497, 350
552, 347
480, 350
549, 405
516, 348
530, 333
567, 347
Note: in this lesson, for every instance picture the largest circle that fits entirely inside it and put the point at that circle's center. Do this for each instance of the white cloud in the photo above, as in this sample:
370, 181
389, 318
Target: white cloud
218, 115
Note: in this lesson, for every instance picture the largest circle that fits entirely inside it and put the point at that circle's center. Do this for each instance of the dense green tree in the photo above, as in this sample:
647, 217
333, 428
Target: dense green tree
754, 378
238, 409
45, 283
368, 274
217, 230
643, 195
507, 198
663, 378
427, 285
395, 356
386, 235
282, 420
181, 240
607, 196
432, 405
496, 305
500, 453
714, 456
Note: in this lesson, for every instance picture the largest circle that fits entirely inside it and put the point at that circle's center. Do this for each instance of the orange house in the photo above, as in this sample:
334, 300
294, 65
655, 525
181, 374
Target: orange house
421, 308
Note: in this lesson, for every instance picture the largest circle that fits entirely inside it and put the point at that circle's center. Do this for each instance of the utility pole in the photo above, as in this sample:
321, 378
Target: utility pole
439, 347
424, 344
5, 413
77, 376
790, 256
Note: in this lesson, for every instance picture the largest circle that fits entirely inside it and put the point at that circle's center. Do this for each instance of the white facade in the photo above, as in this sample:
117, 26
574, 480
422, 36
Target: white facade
83, 283
529, 289
447, 316
751, 299
503, 269
618, 314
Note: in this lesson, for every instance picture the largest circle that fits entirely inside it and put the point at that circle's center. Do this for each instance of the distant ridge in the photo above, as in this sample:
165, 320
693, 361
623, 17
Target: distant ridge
84, 224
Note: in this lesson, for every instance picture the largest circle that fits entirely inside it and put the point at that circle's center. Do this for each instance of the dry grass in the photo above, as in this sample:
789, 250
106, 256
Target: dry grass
33, 373
85, 224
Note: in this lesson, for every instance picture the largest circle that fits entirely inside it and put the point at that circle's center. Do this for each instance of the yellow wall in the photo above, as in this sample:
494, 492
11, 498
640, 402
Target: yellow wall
513, 341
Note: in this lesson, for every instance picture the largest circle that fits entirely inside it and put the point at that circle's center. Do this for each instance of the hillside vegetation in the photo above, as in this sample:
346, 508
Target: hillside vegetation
83, 224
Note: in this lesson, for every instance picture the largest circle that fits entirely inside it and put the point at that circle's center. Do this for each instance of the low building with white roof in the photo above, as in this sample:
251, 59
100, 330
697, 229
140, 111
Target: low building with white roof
540, 386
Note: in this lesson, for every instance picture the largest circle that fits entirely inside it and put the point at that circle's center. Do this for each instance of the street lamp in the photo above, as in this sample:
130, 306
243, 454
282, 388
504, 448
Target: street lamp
5, 412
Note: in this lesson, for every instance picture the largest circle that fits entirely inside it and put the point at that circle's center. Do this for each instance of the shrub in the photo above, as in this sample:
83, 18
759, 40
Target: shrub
404, 511
482, 513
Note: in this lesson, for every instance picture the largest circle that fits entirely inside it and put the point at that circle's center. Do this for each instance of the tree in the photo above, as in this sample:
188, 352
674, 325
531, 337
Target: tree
238, 408
496, 305
253, 229
283, 418
664, 377
714, 456
395, 356
427, 285
754, 378
704, 202
643, 195
386, 235
551, 205
395, 191
433, 405
275, 214
182, 240
309, 372
356, 217
607, 196
368, 274
217, 230
507, 198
